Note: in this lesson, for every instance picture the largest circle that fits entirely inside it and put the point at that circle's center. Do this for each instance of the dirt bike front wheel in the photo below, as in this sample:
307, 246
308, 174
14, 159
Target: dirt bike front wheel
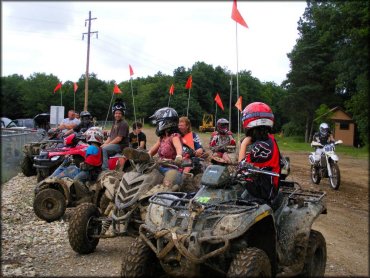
315, 175
334, 180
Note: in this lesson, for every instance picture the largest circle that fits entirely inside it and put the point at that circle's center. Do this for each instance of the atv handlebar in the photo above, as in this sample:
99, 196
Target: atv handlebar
249, 168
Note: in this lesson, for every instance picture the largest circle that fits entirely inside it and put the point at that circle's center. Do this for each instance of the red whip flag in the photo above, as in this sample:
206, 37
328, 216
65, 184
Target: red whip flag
172, 89
116, 90
238, 104
219, 101
57, 87
131, 71
189, 83
75, 87
237, 16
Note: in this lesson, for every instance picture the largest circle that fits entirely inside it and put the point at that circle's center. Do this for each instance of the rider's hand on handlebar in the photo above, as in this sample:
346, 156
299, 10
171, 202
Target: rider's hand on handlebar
178, 159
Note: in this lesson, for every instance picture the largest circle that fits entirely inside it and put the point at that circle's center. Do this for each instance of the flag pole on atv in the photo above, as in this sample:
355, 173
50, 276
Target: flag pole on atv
188, 86
172, 88
133, 101
235, 15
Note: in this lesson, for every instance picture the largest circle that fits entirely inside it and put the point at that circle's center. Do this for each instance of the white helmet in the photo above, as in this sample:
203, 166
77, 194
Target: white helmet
324, 129
94, 134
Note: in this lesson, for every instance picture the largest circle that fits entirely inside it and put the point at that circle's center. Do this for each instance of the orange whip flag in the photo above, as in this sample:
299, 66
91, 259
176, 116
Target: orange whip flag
75, 87
219, 101
131, 71
189, 83
238, 104
237, 16
172, 89
116, 90
57, 87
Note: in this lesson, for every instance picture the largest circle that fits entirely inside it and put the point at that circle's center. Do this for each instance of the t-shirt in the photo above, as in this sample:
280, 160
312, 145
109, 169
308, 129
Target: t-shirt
133, 139
68, 122
120, 128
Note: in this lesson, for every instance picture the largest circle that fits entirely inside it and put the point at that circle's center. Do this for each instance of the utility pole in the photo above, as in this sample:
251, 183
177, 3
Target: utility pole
88, 57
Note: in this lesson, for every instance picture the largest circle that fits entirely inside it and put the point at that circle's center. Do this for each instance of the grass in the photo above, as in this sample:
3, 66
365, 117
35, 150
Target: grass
298, 144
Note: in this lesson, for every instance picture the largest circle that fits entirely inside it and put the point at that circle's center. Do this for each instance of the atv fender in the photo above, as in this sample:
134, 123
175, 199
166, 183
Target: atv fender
294, 223
63, 185
110, 182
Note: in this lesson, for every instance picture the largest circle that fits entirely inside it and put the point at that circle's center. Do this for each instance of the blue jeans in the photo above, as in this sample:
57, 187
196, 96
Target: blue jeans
108, 151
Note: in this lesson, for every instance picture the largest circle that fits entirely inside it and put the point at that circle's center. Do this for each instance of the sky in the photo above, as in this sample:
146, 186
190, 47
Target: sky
47, 37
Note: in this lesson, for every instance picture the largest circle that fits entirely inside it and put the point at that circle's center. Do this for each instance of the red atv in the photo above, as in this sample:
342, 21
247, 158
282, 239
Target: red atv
49, 159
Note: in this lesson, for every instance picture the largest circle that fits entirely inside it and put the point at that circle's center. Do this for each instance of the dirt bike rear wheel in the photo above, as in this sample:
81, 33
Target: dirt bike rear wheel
315, 261
335, 176
315, 175
27, 167
250, 262
49, 204
140, 261
82, 227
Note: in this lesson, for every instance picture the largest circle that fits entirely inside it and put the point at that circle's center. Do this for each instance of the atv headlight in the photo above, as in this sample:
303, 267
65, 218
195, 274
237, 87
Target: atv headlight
155, 214
55, 158
228, 224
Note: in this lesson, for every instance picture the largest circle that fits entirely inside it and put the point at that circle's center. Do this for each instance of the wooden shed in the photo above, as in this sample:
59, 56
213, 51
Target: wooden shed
344, 126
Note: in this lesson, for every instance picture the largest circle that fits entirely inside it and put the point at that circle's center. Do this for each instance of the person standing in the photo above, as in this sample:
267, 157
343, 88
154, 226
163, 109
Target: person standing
118, 137
137, 137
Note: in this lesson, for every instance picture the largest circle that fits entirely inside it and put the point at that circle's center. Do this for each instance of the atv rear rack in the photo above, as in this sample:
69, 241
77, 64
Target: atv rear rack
181, 201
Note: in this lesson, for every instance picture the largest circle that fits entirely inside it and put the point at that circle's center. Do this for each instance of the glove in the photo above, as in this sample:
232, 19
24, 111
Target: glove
178, 159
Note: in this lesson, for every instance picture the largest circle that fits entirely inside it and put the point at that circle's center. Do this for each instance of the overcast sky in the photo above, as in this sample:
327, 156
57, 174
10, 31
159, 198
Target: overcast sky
150, 36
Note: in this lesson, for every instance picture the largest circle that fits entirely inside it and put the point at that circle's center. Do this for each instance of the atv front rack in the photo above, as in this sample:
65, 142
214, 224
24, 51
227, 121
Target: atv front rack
181, 201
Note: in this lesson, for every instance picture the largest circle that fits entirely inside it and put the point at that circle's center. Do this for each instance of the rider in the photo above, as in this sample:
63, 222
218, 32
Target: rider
260, 149
91, 167
85, 123
222, 138
323, 136
169, 144
118, 138
189, 137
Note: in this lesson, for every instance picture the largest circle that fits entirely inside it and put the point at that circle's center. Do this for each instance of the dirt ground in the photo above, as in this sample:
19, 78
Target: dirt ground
345, 228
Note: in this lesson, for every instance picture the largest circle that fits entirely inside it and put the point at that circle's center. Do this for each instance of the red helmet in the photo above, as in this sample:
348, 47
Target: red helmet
257, 114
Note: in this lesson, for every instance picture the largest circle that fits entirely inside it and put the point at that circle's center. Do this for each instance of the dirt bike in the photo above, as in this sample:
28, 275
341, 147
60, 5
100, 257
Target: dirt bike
327, 165
49, 159
127, 200
58, 191
224, 231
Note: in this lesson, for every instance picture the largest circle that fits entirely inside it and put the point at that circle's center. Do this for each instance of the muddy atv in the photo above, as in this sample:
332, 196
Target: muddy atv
59, 191
127, 200
32, 150
224, 231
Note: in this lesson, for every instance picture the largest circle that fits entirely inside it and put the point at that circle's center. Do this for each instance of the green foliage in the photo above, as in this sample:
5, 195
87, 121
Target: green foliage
322, 114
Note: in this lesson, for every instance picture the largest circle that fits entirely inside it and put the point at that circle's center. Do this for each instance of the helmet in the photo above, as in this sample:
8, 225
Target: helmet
94, 134
119, 105
165, 118
257, 114
324, 129
222, 126
85, 114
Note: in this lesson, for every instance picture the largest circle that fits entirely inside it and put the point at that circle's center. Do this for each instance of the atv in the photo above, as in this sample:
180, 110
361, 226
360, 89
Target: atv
58, 191
32, 149
127, 200
48, 160
222, 230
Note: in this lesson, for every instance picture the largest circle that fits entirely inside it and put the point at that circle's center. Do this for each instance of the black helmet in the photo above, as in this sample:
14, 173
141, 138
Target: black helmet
222, 126
119, 105
85, 114
165, 118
